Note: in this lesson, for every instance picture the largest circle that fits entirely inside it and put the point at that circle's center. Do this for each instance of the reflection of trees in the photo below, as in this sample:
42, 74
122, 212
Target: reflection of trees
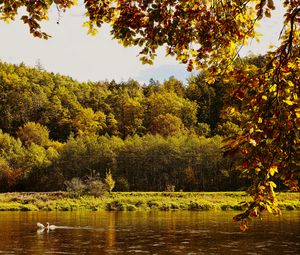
9, 232
110, 233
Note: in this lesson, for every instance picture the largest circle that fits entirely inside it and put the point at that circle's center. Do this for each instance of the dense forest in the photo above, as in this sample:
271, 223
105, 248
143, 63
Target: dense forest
152, 137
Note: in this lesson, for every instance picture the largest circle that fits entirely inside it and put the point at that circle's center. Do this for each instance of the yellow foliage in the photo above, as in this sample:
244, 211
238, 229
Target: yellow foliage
272, 170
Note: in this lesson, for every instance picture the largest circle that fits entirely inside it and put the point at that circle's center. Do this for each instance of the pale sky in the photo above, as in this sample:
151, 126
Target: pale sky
72, 52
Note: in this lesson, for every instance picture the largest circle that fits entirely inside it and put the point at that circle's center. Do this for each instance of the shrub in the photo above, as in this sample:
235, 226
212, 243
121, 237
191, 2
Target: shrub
75, 187
122, 184
115, 206
138, 204
164, 207
152, 204
131, 208
96, 188
197, 206
170, 188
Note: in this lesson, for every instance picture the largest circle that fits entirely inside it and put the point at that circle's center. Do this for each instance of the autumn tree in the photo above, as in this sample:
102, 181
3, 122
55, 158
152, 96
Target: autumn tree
33, 132
167, 125
5, 174
207, 35
110, 182
169, 103
210, 98
88, 122
127, 105
21, 98
174, 85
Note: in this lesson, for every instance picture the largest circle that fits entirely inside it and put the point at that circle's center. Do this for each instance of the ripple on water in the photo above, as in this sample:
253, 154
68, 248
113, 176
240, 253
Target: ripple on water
261, 246
159, 244
185, 242
200, 231
230, 233
135, 247
59, 252
139, 251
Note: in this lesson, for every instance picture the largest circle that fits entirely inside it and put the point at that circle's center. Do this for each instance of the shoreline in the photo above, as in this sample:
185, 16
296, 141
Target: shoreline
137, 201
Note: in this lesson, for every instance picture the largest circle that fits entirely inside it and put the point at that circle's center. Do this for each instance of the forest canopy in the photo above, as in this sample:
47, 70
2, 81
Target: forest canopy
150, 137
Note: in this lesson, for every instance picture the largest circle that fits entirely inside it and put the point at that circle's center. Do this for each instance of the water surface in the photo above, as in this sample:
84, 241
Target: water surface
181, 232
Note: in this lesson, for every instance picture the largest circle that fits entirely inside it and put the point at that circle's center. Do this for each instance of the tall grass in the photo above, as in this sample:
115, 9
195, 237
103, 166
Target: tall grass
136, 201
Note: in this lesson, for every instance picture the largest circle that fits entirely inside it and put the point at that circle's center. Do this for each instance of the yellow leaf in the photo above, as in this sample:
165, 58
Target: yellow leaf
86, 24
272, 184
298, 114
272, 170
193, 52
291, 65
273, 88
210, 80
253, 142
196, 7
288, 102
244, 225
269, 208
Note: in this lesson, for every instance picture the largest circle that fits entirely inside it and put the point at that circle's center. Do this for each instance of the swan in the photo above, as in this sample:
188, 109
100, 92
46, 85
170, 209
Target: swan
40, 225
50, 227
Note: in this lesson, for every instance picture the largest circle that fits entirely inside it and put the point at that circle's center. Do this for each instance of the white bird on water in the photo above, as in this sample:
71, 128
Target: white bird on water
48, 227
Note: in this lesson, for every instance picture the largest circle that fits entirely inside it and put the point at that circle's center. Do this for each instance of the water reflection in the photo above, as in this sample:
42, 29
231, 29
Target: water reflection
149, 233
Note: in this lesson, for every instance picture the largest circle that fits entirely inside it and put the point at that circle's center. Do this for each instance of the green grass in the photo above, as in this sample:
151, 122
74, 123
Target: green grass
136, 201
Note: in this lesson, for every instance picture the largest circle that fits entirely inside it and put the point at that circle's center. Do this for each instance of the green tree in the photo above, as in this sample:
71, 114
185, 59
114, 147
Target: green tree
209, 97
93, 95
133, 115
87, 155
88, 122
174, 85
228, 129
166, 125
10, 148
21, 99
127, 107
169, 103
5, 175
111, 125
203, 129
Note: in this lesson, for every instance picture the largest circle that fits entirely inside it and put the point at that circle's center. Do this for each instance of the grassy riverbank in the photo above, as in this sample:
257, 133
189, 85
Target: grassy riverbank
131, 201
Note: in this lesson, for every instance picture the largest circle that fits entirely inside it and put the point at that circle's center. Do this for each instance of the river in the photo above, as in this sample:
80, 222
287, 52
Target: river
179, 232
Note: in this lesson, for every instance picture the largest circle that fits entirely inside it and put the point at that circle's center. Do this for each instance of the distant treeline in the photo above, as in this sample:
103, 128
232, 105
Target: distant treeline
151, 137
